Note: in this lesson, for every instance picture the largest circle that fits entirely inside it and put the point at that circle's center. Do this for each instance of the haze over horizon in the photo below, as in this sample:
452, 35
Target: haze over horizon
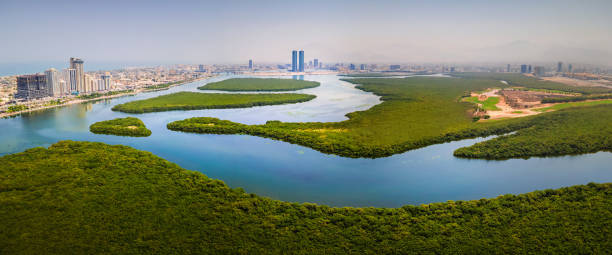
341, 31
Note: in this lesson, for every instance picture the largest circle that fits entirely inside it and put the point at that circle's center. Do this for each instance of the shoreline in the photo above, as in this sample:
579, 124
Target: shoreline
78, 101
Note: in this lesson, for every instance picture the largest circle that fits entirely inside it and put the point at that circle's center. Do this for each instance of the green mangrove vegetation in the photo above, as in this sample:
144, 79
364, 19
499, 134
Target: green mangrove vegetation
575, 99
569, 131
573, 104
110, 93
259, 84
196, 101
165, 85
128, 126
93, 198
415, 112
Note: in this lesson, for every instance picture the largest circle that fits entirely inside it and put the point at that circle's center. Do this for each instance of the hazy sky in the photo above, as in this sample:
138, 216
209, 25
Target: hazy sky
266, 31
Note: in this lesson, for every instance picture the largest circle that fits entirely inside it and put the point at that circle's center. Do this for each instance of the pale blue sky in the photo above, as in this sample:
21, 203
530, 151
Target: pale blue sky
359, 31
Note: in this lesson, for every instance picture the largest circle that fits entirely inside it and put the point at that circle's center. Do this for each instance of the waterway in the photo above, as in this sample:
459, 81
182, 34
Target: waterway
295, 173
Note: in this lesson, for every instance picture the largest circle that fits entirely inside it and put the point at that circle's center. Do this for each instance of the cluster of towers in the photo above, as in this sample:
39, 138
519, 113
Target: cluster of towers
53, 83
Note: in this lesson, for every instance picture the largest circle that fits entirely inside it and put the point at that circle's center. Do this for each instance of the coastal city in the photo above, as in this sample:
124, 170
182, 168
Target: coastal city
51, 88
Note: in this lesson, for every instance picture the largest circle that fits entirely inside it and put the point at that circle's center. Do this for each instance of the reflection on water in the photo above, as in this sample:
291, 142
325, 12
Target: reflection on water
294, 173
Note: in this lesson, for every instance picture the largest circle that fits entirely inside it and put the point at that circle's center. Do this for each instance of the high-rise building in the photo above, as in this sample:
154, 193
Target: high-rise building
508, 68
539, 70
316, 63
294, 61
70, 76
394, 67
106, 79
32, 86
251, 64
529, 69
101, 85
351, 66
53, 82
362, 67
523, 68
63, 87
301, 60
559, 67
569, 68
77, 65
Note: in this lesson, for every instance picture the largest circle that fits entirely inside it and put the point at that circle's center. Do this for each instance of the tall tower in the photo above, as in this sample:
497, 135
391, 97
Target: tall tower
251, 64
77, 65
316, 63
301, 60
70, 76
53, 84
294, 61
559, 67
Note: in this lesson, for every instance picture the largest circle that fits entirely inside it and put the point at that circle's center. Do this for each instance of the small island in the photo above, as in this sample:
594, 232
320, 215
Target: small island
259, 84
129, 126
198, 101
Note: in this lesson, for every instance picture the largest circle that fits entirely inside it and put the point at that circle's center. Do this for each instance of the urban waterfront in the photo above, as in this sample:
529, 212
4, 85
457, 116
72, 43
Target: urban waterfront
295, 173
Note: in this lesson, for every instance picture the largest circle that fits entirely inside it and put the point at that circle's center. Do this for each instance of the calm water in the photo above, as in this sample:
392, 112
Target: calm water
294, 173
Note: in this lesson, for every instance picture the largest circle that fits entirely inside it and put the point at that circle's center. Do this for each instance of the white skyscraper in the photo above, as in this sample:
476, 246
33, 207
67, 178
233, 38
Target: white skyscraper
53, 83
70, 76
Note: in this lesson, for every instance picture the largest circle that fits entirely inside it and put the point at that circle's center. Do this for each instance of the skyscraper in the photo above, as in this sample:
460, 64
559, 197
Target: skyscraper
32, 86
529, 69
77, 65
294, 61
508, 68
301, 60
316, 63
523, 68
70, 76
106, 78
251, 64
569, 68
362, 67
559, 67
53, 82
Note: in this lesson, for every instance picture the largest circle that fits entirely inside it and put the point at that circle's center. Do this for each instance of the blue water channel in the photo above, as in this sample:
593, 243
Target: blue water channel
295, 173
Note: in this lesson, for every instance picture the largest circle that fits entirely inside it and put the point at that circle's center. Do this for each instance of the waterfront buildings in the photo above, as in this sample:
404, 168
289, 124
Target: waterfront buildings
294, 61
301, 60
53, 82
33, 86
70, 76
77, 65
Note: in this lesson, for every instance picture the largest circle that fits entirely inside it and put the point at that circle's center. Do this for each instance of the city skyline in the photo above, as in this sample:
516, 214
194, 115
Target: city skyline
341, 31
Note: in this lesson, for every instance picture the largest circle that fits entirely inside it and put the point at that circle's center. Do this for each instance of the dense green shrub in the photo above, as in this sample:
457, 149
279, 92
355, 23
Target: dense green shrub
259, 84
92, 198
129, 126
568, 131
415, 112
575, 99
197, 101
